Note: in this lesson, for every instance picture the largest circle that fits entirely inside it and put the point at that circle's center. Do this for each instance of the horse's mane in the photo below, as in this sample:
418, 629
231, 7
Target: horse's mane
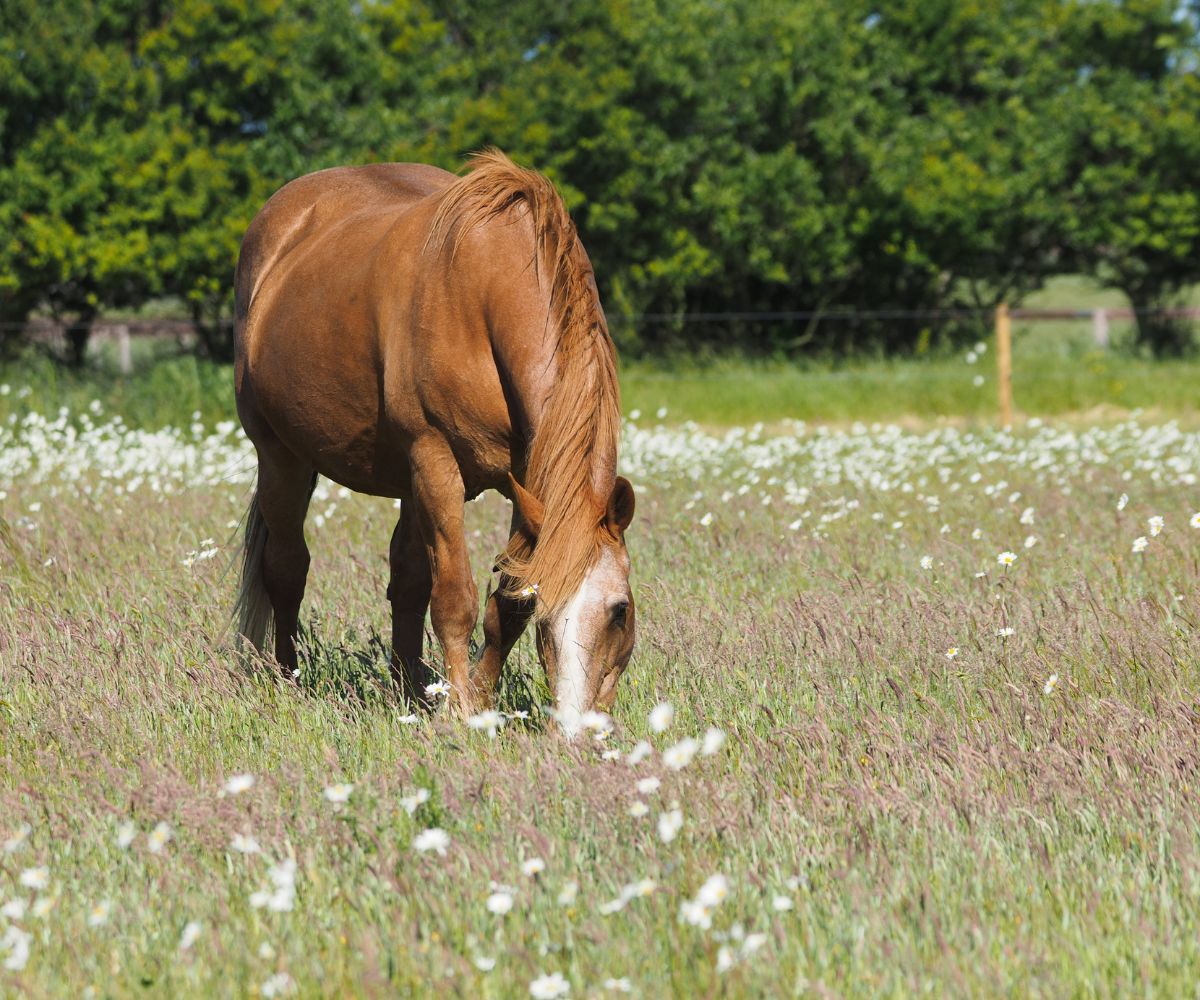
571, 465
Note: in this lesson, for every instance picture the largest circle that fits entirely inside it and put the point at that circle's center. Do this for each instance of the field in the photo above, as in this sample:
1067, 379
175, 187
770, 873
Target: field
955, 669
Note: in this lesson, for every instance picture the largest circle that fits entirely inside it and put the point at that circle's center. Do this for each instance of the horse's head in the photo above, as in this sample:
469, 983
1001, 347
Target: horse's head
585, 643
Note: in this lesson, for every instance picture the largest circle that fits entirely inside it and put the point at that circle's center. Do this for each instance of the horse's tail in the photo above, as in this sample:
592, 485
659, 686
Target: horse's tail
253, 607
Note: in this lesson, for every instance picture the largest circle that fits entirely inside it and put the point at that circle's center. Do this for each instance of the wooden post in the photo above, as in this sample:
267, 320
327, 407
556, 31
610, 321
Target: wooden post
1100, 327
1004, 363
124, 357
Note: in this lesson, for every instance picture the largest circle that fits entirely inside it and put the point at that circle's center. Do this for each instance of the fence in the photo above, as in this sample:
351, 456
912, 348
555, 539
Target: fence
121, 331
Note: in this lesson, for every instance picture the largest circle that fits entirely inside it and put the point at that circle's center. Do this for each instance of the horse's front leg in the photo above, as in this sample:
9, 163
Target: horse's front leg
439, 495
504, 619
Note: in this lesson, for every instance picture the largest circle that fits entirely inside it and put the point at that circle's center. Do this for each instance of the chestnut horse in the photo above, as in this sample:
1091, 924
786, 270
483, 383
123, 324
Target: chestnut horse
412, 334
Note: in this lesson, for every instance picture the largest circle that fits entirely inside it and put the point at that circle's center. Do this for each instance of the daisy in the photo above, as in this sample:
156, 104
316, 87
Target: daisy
680, 755
641, 750
237, 784
1006, 559
411, 803
489, 722
499, 903
433, 839
669, 825
1140, 543
337, 794
714, 739
14, 842
35, 878
534, 866
647, 786
191, 931
549, 987
16, 942
280, 984
158, 837
1156, 525
661, 717
438, 689
14, 909
98, 916
245, 844
1051, 684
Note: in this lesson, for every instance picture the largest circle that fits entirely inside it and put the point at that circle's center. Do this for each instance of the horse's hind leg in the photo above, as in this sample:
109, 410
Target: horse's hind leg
408, 590
285, 485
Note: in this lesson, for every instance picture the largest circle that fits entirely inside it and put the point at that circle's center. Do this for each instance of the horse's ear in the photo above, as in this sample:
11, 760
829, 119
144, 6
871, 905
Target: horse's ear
528, 506
620, 504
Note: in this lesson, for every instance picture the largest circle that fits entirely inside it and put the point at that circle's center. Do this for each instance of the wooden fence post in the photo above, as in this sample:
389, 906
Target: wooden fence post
1004, 363
1100, 327
124, 356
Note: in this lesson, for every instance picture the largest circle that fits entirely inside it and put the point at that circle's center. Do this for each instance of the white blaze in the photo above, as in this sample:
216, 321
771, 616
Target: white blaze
572, 691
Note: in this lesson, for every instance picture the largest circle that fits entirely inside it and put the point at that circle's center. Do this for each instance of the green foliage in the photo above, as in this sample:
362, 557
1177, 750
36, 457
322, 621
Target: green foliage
743, 156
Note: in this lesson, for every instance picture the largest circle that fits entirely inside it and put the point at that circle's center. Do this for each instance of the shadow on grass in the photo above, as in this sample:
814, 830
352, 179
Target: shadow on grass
353, 667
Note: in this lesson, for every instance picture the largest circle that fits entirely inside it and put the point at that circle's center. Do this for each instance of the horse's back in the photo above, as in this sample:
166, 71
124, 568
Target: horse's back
308, 206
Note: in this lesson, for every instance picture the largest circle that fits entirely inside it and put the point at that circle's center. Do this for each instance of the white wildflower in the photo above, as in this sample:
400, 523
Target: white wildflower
669, 825
337, 794
126, 833
433, 839
549, 987
489, 721
641, 750
245, 844
16, 839
661, 717
237, 784
500, 902
411, 803
157, 839
680, 755
191, 931
714, 739
35, 878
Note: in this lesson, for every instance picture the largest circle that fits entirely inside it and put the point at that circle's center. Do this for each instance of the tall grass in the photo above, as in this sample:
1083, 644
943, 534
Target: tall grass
895, 820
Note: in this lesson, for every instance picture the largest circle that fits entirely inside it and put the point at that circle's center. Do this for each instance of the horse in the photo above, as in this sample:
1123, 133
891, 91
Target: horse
415, 334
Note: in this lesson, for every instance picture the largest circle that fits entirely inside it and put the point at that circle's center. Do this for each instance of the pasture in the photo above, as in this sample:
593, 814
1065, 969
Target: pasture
955, 669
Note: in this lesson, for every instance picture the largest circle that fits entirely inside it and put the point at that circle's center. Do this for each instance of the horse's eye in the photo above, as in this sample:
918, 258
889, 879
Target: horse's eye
619, 613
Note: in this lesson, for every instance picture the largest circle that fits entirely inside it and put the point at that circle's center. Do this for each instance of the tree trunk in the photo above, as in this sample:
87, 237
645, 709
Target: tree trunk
78, 334
1163, 335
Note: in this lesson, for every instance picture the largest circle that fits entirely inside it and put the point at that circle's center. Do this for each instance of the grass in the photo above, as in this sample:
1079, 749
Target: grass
937, 825
1057, 372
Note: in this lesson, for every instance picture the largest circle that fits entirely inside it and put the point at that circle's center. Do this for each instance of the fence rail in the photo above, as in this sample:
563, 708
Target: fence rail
124, 329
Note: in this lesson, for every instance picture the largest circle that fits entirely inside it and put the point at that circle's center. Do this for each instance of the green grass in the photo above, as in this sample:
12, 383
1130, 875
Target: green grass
725, 393
938, 826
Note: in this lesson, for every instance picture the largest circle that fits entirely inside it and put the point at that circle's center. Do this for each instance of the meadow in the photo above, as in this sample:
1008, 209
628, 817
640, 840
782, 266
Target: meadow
933, 728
